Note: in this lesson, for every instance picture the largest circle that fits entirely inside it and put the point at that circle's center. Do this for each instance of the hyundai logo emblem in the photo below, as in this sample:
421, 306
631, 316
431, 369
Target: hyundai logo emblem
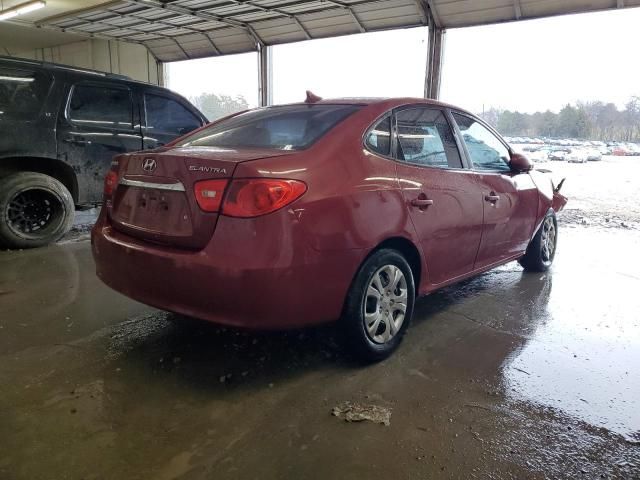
149, 165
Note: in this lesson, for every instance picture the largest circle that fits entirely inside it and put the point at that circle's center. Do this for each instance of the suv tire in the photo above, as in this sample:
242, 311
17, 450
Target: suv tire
35, 210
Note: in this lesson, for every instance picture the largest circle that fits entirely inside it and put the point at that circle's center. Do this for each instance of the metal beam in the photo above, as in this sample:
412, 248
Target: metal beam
201, 14
433, 74
75, 13
433, 14
265, 76
351, 13
181, 49
278, 11
518, 9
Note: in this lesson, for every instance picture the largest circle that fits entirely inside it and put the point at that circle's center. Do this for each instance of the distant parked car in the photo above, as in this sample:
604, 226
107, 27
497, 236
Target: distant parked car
557, 155
593, 155
621, 151
303, 214
576, 155
59, 130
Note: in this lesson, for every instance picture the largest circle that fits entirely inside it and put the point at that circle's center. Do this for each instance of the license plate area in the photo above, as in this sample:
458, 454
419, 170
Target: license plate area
151, 210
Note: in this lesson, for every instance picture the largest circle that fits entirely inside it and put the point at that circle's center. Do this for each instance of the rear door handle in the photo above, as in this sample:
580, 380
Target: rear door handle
421, 202
492, 197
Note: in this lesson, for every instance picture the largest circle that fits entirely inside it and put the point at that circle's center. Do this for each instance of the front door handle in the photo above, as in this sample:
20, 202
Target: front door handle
76, 140
422, 201
492, 197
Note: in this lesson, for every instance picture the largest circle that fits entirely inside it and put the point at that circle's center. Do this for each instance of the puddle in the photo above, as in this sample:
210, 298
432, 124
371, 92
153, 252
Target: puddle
582, 359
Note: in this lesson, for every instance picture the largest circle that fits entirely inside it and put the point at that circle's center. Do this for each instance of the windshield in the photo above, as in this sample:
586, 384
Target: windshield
293, 127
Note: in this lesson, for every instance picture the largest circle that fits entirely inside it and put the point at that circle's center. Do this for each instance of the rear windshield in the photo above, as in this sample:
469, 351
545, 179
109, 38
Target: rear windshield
293, 127
22, 93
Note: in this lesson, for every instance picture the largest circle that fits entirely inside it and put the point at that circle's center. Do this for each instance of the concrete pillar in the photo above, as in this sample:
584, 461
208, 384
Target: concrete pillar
265, 76
434, 61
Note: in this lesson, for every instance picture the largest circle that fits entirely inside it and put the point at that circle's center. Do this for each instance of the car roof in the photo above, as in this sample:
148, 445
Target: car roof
384, 102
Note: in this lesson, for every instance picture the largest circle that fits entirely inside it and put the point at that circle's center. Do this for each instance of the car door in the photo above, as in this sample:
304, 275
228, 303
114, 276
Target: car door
510, 199
441, 195
100, 121
165, 119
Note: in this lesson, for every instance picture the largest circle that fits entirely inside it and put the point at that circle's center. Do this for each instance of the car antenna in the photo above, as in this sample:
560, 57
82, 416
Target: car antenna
312, 97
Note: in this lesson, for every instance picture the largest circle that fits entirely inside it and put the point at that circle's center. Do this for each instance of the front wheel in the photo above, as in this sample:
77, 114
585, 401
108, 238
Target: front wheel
35, 210
542, 249
379, 305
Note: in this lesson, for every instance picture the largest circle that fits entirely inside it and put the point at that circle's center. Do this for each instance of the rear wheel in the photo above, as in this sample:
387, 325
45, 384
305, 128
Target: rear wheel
542, 249
379, 305
35, 210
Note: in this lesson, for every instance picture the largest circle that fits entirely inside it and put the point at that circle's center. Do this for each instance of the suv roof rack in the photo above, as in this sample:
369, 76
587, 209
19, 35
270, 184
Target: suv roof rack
58, 66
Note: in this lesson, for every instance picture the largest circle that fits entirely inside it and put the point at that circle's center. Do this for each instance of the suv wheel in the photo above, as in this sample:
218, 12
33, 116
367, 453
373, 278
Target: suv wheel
35, 210
379, 305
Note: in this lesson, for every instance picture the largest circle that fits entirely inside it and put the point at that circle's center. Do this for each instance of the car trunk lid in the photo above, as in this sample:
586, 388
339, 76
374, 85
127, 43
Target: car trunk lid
155, 200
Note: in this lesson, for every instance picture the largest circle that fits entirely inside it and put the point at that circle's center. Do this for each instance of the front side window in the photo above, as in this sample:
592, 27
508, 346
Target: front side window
165, 115
425, 138
101, 106
22, 93
290, 127
379, 137
485, 150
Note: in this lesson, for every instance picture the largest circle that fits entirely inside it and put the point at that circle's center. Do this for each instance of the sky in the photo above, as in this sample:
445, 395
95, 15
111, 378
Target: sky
526, 66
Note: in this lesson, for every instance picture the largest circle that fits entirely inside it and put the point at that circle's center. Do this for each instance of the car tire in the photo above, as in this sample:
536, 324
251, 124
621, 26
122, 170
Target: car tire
542, 249
373, 317
35, 210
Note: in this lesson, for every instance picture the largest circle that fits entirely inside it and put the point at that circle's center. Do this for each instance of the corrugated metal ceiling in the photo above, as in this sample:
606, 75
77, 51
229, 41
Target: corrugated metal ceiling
182, 29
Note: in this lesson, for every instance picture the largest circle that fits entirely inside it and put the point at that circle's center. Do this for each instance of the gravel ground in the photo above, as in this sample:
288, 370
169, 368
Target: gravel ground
602, 194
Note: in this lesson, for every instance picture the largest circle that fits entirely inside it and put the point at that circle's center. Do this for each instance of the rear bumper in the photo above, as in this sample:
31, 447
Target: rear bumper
259, 283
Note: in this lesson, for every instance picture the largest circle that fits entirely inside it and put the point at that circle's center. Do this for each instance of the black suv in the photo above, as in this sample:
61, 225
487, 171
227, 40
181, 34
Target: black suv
59, 129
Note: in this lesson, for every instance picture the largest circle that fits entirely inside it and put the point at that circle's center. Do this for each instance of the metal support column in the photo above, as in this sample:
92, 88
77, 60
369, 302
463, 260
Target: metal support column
434, 59
265, 76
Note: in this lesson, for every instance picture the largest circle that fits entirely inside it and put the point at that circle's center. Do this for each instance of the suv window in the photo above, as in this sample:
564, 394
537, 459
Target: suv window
290, 127
485, 150
165, 115
22, 93
101, 105
379, 138
425, 138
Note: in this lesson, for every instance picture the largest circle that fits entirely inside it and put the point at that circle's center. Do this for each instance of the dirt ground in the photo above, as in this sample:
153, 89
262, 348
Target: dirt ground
604, 193
507, 376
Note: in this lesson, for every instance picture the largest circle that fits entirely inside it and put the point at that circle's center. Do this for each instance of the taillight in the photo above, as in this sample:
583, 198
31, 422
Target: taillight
258, 196
111, 179
209, 194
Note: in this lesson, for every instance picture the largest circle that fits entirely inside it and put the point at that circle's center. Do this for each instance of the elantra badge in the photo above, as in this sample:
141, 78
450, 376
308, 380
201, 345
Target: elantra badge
200, 168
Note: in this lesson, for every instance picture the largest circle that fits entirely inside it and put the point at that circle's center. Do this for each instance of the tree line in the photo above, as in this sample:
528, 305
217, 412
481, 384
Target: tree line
216, 106
584, 120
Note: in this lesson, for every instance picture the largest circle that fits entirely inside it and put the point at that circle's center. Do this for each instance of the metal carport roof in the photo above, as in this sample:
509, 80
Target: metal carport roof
183, 29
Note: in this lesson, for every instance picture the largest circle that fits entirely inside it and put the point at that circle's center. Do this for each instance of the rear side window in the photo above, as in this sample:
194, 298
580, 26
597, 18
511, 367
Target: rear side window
22, 93
101, 105
425, 138
379, 138
165, 115
291, 127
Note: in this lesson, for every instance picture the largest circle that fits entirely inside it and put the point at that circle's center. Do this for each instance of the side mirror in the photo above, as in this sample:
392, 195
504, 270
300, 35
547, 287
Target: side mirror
520, 163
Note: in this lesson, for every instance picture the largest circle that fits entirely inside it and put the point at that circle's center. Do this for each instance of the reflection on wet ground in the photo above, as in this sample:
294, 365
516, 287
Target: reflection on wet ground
504, 376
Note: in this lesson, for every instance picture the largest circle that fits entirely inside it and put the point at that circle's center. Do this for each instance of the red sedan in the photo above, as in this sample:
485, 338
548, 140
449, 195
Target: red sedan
302, 214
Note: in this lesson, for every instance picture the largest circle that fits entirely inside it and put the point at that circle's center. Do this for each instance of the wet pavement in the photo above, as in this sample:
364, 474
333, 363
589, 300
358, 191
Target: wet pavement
509, 375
